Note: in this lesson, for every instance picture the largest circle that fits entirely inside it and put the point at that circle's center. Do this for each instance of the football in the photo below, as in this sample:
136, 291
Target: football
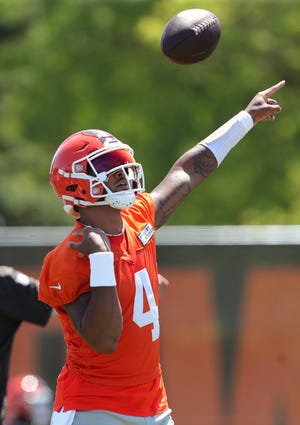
191, 36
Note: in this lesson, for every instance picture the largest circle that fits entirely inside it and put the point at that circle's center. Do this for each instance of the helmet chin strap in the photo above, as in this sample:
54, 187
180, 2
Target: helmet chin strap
119, 200
69, 209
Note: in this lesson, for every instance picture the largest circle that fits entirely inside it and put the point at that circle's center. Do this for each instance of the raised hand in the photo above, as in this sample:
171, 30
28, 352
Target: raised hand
262, 106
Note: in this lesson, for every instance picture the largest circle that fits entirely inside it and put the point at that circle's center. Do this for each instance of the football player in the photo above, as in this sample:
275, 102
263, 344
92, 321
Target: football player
103, 280
18, 302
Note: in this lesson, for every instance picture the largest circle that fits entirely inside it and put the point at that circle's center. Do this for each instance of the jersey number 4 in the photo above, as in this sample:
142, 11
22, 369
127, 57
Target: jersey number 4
150, 316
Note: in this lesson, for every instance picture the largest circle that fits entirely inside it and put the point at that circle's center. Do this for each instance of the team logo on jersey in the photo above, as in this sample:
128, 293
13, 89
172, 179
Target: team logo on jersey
146, 234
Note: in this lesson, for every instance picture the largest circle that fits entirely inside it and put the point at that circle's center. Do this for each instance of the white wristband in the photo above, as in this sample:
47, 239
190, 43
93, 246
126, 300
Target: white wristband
102, 269
221, 141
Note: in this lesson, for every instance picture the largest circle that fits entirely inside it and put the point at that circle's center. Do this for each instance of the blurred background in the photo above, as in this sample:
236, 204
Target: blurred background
230, 318
68, 65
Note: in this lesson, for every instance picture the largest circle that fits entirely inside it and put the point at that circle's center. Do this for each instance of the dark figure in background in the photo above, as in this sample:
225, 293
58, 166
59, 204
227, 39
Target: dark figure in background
18, 302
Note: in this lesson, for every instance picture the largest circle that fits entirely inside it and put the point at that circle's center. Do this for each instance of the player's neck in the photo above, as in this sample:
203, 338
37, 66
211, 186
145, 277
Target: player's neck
106, 218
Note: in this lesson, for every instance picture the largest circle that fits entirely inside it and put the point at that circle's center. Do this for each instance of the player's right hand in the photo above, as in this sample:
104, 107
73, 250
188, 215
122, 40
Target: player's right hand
93, 240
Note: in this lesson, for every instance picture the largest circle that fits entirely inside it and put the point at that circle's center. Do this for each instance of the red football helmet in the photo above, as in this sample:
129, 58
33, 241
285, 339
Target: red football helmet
29, 401
82, 165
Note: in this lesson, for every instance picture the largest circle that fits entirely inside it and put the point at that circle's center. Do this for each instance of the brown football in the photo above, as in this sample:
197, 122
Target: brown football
191, 36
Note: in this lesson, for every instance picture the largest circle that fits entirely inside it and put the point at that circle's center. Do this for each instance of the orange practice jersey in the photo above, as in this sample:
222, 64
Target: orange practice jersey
128, 381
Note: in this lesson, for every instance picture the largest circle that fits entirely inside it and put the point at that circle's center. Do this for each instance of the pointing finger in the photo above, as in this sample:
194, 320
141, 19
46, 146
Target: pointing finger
271, 90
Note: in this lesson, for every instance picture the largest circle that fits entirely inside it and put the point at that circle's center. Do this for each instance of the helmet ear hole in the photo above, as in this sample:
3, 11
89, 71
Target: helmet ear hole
72, 188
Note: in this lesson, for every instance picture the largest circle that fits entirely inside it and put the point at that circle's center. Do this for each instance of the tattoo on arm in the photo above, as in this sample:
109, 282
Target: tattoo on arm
168, 205
186, 174
204, 162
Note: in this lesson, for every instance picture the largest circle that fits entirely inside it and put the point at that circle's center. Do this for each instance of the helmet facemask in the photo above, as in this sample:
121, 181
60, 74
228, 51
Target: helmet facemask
94, 171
